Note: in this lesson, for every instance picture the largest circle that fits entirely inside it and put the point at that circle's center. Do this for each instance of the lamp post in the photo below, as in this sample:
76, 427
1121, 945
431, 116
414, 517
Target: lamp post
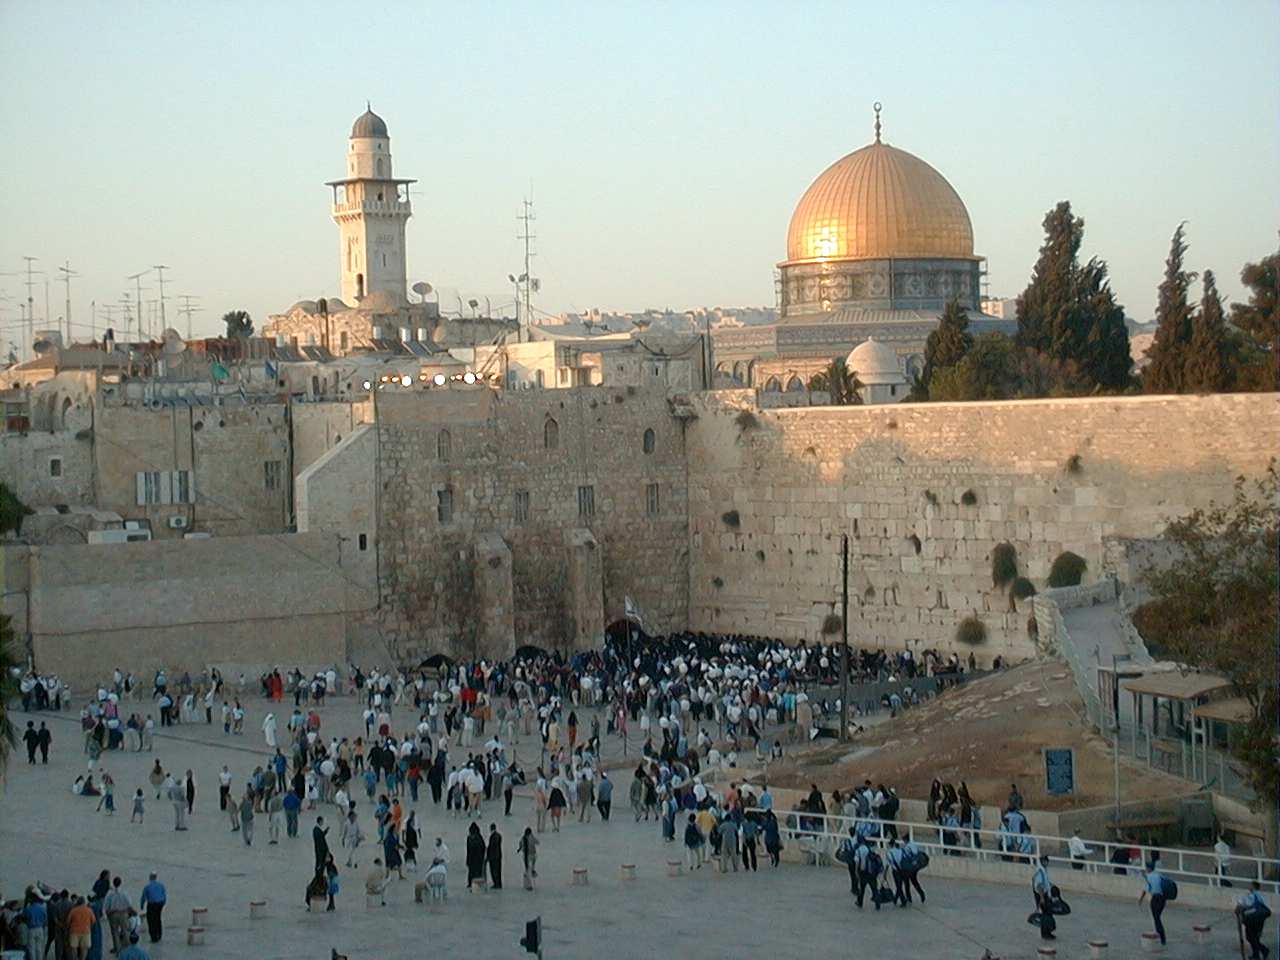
844, 636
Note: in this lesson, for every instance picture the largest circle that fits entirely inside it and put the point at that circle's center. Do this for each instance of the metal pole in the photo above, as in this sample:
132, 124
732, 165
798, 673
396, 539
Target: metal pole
844, 636
1115, 674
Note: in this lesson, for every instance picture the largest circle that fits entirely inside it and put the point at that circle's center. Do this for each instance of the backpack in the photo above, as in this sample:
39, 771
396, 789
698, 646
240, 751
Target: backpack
915, 863
1168, 888
845, 852
874, 865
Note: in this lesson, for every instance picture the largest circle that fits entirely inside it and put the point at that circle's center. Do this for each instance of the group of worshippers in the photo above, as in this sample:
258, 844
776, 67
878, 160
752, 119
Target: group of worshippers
72, 926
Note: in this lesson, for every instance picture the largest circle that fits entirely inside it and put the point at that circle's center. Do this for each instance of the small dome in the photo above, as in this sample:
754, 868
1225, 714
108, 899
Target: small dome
875, 362
369, 124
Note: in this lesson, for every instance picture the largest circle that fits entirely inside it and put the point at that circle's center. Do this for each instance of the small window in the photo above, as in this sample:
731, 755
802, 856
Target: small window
444, 505
550, 434
893, 390
55, 467
651, 501
342, 341
587, 501
444, 446
522, 506
363, 540
649, 442
539, 379
152, 488
182, 492
271, 474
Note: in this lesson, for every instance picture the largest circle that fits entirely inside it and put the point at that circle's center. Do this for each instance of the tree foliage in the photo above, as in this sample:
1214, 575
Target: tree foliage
1167, 359
1215, 608
996, 368
12, 510
1206, 369
840, 383
238, 323
1258, 320
1067, 570
1068, 311
949, 343
10, 665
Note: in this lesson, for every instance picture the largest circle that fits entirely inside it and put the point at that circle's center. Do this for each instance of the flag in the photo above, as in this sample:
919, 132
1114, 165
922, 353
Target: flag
632, 613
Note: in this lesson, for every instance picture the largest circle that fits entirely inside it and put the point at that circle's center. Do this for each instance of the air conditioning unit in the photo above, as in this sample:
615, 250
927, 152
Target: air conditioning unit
178, 523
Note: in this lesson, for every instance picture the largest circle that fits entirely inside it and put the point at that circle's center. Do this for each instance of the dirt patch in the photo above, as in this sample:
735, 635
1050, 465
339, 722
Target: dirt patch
989, 734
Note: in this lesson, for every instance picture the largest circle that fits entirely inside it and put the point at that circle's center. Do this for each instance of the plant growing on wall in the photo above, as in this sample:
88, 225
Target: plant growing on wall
971, 631
1067, 570
968, 498
746, 420
931, 497
10, 665
831, 624
1022, 589
12, 510
1004, 564
731, 519
1074, 464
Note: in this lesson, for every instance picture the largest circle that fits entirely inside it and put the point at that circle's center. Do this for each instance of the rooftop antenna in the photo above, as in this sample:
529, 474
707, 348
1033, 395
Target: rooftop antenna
187, 309
67, 274
137, 282
31, 305
526, 219
160, 268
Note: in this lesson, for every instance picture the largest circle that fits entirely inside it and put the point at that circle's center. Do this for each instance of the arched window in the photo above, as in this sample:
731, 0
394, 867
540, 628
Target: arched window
772, 385
649, 441
795, 385
551, 434
444, 446
379, 166
739, 374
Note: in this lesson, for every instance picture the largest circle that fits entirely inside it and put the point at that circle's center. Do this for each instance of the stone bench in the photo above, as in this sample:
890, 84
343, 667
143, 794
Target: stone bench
1200, 933
674, 868
579, 876
257, 909
199, 916
1098, 949
1151, 943
195, 936
627, 871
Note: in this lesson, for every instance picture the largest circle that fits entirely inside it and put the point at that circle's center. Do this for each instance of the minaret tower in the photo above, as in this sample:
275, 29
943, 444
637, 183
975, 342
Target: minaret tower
371, 208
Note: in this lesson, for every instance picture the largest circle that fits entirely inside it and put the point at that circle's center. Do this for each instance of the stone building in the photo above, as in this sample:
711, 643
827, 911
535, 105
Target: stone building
876, 247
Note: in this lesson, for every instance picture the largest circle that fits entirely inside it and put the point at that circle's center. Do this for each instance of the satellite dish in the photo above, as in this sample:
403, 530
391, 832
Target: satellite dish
42, 346
173, 343
421, 288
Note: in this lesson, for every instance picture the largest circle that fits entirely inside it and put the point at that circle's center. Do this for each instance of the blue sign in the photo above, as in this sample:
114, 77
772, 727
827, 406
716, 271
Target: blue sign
1059, 771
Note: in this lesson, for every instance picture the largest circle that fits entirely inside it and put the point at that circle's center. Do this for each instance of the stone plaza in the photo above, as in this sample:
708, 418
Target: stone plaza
50, 835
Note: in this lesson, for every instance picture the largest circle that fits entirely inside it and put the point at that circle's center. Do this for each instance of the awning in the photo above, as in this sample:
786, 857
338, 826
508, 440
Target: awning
1173, 685
1234, 710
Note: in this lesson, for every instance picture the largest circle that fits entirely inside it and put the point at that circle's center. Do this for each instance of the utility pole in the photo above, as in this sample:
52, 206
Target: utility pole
31, 307
67, 274
137, 283
844, 636
187, 309
527, 235
160, 268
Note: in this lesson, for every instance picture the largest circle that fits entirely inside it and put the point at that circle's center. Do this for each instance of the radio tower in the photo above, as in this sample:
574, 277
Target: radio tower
526, 219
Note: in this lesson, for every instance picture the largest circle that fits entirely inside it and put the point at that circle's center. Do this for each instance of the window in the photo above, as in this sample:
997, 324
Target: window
444, 446
55, 466
550, 434
522, 506
271, 474
342, 340
444, 505
651, 500
363, 540
649, 442
153, 487
587, 501
183, 492
539, 379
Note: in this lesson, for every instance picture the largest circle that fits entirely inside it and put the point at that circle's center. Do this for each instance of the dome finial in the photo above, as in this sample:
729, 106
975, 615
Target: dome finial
876, 107
368, 106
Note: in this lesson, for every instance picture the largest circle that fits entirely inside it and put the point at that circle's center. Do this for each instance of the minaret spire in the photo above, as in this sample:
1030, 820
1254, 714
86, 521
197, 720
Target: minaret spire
876, 107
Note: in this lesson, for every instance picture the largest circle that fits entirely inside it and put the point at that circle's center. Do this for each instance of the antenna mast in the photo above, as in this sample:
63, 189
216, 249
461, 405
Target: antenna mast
160, 268
137, 282
67, 274
31, 307
187, 309
526, 219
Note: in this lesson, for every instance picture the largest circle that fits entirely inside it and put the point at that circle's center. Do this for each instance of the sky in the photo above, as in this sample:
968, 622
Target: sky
664, 144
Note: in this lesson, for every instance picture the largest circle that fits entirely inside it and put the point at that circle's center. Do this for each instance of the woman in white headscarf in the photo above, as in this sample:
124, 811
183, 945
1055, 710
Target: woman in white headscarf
269, 730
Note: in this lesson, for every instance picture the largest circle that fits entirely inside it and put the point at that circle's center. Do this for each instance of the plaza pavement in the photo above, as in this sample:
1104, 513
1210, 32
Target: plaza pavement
49, 834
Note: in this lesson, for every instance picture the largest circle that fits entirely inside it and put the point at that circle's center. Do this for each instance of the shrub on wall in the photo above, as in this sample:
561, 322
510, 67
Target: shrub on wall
931, 497
1074, 464
1067, 570
1022, 588
1004, 564
731, 519
968, 498
831, 624
746, 420
12, 510
971, 631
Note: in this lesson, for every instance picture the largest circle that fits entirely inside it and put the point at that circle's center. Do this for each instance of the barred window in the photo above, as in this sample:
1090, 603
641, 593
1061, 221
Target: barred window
587, 501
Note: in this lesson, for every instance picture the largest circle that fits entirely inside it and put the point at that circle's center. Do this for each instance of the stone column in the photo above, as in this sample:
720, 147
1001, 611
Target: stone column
584, 588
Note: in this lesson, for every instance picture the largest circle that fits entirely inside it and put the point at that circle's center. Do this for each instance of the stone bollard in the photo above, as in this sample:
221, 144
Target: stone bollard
199, 916
373, 901
195, 936
1097, 949
579, 876
628, 871
257, 909
317, 905
1046, 951
674, 868
1151, 943
1200, 933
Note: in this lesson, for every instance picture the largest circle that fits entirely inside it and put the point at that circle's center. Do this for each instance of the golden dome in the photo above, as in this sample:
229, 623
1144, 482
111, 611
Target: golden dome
876, 203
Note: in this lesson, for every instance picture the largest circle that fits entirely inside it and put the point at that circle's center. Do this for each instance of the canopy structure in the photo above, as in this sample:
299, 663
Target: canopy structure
1179, 696
1173, 685
1236, 710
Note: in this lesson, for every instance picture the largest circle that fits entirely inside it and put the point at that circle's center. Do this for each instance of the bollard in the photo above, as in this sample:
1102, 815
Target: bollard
195, 936
257, 909
1046, 951
1097, 949
199, 916
373, 900
1200, 933
317, 905
674, 868
579, 876
628, 871
1151, 943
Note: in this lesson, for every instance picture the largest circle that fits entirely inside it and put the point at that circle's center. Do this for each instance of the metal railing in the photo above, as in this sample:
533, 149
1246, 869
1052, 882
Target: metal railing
821, 834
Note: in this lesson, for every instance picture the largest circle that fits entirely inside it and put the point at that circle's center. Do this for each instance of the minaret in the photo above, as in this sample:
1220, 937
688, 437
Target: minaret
371, 207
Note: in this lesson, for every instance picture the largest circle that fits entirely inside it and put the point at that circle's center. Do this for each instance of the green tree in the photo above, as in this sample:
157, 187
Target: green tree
10, 665
1206, 370
1167, 359
12, 510
1068, 312
840, 383
1215, 607
238, 324
1259, 321
988, 371
948, 343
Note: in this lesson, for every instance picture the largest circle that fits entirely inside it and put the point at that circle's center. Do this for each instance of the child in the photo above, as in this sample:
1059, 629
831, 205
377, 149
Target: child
108, 793
138, 807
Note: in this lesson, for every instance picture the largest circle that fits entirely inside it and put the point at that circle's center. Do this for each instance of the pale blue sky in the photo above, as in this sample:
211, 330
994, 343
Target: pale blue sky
666, 144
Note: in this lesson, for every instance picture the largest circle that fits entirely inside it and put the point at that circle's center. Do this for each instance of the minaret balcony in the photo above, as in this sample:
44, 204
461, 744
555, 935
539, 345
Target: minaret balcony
384, 207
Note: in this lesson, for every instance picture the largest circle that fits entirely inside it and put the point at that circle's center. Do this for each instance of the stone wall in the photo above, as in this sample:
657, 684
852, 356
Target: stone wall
247, 602
520, 466
772, 491
27, 467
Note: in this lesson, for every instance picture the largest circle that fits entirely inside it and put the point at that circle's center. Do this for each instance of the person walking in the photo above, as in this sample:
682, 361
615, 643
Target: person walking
1252, 913
178, 797
493, 854
1042, 893
847, 854
36, 915
1155, 885
246, 819
604, 796
772, 839
80, 924
190, 785
275, 818
116, 908
31, 739
224, 787
320, 842
749, 834
528, 849
152, 901
44, 737
411, 841
475, 855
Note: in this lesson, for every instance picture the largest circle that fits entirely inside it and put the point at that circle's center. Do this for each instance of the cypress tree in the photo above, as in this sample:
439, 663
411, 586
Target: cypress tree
1206, 370
1167, 363
1049, 294
948, 344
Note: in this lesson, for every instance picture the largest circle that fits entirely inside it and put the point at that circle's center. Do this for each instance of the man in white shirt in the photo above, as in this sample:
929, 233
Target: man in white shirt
1222, 856
1078, 849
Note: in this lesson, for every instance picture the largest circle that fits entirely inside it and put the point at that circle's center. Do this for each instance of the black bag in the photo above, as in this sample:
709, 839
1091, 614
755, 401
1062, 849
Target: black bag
1168, 888
1044, 921
874, 865
1059, 907
917, 863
